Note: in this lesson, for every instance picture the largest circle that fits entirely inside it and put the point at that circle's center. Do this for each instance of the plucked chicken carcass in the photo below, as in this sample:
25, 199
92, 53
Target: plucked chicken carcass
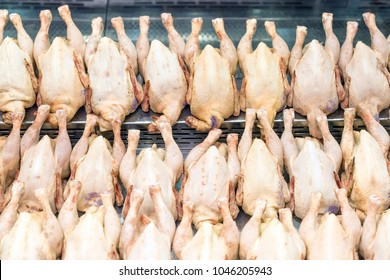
144, 238
44, 162
374, 244
93, 236
261, 168
163, 71
62, 78
211, 173
271, 238
18, 83
34, 235
265, 82
329, 237
364, 70
365, 164
315, 79
212, 241
312, 167
9, 158
212, 92
152, 167
95, 164
115, 91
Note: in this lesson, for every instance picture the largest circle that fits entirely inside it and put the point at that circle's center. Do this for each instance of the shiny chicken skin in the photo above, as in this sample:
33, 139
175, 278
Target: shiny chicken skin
329, 237
312, 167
212, 92
271, 238
62, 78
265, 82
163, 71
212, 241
95, 164
365, 165
18, 83
29, 235
366, 78
152, 167
93, 236
9, 158
211, 173
261, 168
315, 79
114, 89
44, 162
143, 237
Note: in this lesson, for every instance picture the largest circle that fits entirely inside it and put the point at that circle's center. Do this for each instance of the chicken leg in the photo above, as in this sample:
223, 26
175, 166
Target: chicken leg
112, 224
251, 230
31, 136
245, 45
93, 40
192, 47
346, 51
234, 171
309, 223
278, 44
10, 159
230, 232
332, 44
68, 216
176, 42
142, 46
184, 232
227, 48
24, 40
42, 42
3, 23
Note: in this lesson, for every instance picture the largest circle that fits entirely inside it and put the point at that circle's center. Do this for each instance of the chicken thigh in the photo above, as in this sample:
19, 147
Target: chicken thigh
34, 235
374, 244
330, 237
143, 238
18, 83
312, 167
44, 162
62, 78
212, 241
366, 79
115, 91
265, 82
365, 165
270, 238
9, 158
212, 92
163, 71
315, 80
95, 164
93, 236
211, 173
152, 167
261, 168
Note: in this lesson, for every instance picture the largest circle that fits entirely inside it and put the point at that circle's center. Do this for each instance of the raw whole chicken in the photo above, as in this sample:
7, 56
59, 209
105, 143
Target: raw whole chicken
144, 238
152, 167
95, 164
315, 79
115, 91
163, 71
44, 162
365, 164
212, 241
212, 92
265, 82
9, 158
261, 168
211, 173
312, 167
271, 238
328, 237
366, 77
374, 244
18, 83
93, 236
62, 78
34, 235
